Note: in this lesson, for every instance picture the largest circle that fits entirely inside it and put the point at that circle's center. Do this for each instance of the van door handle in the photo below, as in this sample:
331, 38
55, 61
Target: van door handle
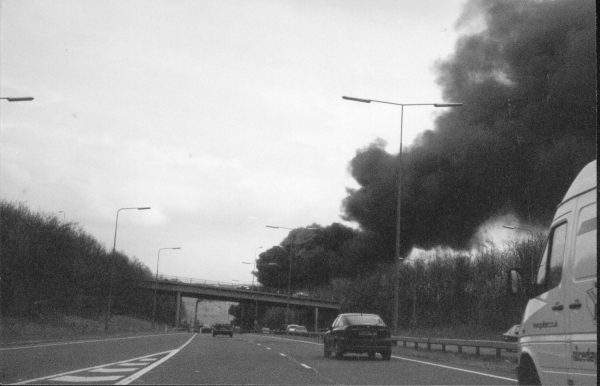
558, 307
575, 306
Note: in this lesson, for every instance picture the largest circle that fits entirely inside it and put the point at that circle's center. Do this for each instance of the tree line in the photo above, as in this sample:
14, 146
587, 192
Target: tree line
437, 288
48, 265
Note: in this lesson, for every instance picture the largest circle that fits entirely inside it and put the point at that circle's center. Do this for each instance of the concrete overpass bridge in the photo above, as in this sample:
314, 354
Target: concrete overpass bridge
213, 290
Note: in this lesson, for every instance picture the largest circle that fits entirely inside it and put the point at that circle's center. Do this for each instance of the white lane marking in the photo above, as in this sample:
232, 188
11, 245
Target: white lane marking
75, 379
454, 368
147, 360
61, 377
305, 366
135, 376
112, 370
89, 368
82, 341
414, 360
268, 348
282, 354
133, 364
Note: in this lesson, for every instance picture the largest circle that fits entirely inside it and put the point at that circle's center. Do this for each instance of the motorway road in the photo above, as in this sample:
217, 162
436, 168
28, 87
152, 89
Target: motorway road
183, 358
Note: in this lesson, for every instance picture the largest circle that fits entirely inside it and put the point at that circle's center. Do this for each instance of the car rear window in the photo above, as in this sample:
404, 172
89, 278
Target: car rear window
364, 319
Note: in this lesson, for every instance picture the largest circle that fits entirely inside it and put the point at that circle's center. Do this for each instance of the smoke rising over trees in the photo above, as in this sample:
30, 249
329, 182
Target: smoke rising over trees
528, 125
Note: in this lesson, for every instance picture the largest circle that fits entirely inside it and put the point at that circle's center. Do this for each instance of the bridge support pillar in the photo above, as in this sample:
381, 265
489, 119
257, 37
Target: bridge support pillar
316, 319
178, 312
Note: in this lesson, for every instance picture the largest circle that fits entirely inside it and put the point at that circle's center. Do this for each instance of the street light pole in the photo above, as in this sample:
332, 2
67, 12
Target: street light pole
397, 257
253, 289
156, 286
287, 307
112, 264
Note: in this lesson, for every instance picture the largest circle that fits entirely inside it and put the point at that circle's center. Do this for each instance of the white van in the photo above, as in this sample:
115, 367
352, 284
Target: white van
558, 339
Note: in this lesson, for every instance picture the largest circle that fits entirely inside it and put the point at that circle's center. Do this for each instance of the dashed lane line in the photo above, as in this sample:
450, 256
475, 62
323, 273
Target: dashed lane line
416, 361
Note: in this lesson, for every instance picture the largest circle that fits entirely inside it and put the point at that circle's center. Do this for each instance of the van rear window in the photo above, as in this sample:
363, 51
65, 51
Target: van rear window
586, 243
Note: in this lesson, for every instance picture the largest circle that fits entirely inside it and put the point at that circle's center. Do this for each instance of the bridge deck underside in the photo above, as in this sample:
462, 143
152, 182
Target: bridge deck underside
238, 295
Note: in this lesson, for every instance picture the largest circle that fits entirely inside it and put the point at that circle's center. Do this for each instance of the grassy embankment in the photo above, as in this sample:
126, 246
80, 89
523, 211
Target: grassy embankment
59, 327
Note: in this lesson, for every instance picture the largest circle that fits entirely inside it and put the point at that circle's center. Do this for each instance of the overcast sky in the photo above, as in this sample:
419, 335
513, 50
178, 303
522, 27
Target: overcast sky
223, 116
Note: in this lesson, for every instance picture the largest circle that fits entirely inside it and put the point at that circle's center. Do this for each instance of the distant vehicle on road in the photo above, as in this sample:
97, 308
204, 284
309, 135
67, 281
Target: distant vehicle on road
291, 327
266, 330
301, 329
358, 333
512, 335
206, 330
222, 328
197, 328
300, 295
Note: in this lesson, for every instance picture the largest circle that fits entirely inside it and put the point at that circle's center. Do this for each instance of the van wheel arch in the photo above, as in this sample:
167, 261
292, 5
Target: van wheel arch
526, 372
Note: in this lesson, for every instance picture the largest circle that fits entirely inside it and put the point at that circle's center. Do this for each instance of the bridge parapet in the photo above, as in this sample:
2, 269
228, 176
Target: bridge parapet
233, 290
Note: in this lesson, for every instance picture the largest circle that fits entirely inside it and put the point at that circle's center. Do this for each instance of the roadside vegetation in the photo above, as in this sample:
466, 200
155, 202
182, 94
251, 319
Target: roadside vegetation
55, 274
461, 295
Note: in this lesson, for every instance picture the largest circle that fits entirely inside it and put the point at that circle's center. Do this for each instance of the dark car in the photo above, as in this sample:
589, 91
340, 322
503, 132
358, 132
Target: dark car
358, 333
222, 328
512, 335
206, 330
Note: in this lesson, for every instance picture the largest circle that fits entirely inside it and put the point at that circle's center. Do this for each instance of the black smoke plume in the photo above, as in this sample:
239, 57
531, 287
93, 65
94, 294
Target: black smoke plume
528, 125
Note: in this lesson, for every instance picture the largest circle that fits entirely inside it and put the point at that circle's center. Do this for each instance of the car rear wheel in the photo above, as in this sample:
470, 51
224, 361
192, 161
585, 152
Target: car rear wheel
387, 355
337, 348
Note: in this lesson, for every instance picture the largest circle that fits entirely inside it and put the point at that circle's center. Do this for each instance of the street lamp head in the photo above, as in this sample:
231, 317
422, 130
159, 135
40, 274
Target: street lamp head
22, 99
356, 99
507, 227
447, 104
144, 208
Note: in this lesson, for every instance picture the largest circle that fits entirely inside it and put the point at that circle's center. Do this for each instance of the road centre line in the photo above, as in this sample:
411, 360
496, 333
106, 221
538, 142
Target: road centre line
135, 376
417, 361
82, 341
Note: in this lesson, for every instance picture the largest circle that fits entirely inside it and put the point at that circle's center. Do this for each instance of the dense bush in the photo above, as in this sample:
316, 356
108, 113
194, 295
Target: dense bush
51, 266
441, 289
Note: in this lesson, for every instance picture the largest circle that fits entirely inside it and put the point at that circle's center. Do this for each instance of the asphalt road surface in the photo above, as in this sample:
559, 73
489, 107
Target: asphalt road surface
184, 358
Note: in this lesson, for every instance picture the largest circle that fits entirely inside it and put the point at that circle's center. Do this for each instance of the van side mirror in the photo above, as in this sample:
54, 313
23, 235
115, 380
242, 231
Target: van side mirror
515, 282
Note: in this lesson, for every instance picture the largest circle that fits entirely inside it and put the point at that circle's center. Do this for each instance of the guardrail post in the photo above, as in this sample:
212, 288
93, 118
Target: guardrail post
498, 353
476, 350
404, 343
416, 345
428, 345
443, 347
459, 349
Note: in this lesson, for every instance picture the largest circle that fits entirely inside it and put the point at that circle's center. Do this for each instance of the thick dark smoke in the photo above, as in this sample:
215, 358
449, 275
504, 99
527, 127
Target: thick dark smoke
528, 125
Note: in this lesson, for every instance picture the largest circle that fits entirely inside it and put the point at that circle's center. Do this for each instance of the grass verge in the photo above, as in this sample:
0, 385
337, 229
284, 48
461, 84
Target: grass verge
58, 327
